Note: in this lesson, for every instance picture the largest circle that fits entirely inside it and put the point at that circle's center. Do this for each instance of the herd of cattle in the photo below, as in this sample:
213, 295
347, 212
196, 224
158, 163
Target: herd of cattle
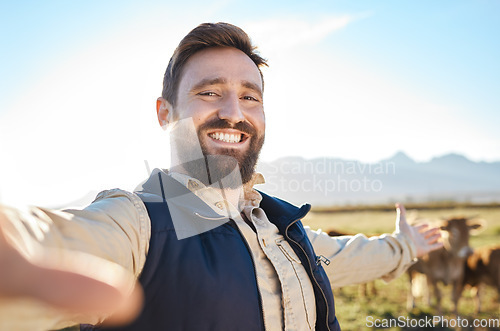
456, 264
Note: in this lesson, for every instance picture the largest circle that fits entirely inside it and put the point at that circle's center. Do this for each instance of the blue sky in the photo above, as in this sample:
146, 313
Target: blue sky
351, 79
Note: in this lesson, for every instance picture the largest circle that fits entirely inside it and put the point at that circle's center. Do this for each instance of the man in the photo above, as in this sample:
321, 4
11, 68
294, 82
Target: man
210, 251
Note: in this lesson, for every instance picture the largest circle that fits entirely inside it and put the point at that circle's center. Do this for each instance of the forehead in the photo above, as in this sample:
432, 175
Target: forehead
457, 225
227, 63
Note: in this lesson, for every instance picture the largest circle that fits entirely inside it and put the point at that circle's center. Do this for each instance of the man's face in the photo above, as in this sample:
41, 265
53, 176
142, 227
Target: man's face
221, 90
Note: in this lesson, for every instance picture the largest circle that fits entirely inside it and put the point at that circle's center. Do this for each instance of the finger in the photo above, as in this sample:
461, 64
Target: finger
432, 229
429, 248
421, 227
433, 239
401, 217
431, 232
435, 246
400, 209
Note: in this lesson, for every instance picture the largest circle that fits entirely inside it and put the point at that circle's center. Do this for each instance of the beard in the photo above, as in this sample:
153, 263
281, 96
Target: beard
230, 167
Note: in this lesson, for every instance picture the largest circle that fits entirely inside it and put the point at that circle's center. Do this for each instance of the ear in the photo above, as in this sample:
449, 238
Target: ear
443, 225
164, 112
476, 226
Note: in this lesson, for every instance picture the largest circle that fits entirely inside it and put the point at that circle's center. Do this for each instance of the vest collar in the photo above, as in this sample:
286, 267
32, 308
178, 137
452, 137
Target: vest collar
282, 213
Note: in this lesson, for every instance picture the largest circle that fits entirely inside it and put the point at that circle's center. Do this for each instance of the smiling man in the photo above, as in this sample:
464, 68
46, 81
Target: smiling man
210, 251
221, 90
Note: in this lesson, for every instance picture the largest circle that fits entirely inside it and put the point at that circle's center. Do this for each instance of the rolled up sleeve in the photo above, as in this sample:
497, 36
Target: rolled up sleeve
358, 259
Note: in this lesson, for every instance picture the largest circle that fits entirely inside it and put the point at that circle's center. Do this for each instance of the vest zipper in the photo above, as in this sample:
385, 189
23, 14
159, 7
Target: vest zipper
323, 259
255, 270
310, 268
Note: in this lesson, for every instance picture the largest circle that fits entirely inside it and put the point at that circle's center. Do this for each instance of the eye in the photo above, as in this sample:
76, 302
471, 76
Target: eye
250, 98
208, 94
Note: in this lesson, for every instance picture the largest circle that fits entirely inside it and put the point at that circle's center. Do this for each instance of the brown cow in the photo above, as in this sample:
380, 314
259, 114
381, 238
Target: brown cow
483, 267
446, 264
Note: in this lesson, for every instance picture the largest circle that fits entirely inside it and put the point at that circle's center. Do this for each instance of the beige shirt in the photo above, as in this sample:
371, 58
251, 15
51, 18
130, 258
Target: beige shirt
115, 230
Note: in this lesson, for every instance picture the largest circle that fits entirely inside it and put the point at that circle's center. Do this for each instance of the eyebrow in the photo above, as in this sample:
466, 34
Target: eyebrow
208, 82
252, 86
219, 81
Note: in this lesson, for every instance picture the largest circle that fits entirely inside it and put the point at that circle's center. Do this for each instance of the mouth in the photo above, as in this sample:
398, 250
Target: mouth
228, 136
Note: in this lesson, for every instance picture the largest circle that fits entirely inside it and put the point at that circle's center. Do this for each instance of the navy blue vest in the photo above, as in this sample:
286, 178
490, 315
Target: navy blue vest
208, 281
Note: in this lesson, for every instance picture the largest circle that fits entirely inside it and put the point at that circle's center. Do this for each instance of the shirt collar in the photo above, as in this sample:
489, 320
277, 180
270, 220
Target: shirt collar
249, 197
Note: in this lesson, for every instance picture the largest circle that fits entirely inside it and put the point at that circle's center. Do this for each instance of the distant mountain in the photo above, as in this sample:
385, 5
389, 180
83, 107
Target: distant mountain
401, 158
329, 181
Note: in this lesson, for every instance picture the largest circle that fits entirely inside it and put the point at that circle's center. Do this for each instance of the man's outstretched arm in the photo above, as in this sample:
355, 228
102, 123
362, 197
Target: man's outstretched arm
358, 259
67, 290
59, 268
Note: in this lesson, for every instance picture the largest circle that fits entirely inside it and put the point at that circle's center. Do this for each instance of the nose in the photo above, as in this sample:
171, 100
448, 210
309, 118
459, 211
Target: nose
231, 110
465, 252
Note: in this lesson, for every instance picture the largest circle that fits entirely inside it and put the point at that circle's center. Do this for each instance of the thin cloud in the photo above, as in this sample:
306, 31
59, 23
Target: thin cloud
274, 34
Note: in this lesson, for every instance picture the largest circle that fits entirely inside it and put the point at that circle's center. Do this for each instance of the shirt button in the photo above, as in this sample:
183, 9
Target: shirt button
220, 205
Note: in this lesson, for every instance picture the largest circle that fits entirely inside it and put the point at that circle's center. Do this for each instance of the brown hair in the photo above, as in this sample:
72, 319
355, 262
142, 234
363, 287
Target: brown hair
206, 35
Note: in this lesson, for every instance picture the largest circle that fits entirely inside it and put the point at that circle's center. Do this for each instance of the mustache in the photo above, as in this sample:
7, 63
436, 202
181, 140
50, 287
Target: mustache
218, 123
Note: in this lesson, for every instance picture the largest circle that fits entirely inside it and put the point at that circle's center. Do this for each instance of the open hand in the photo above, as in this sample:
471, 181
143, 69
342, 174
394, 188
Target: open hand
425, 237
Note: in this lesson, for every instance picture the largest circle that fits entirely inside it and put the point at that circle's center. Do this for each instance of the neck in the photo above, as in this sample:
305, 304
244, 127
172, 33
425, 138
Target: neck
231, 194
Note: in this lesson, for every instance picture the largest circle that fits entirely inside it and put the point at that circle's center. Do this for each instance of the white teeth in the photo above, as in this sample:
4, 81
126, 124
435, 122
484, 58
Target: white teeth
226, 137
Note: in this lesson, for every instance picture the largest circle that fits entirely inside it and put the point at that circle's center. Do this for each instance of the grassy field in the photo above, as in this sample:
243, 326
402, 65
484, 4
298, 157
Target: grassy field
354, 311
